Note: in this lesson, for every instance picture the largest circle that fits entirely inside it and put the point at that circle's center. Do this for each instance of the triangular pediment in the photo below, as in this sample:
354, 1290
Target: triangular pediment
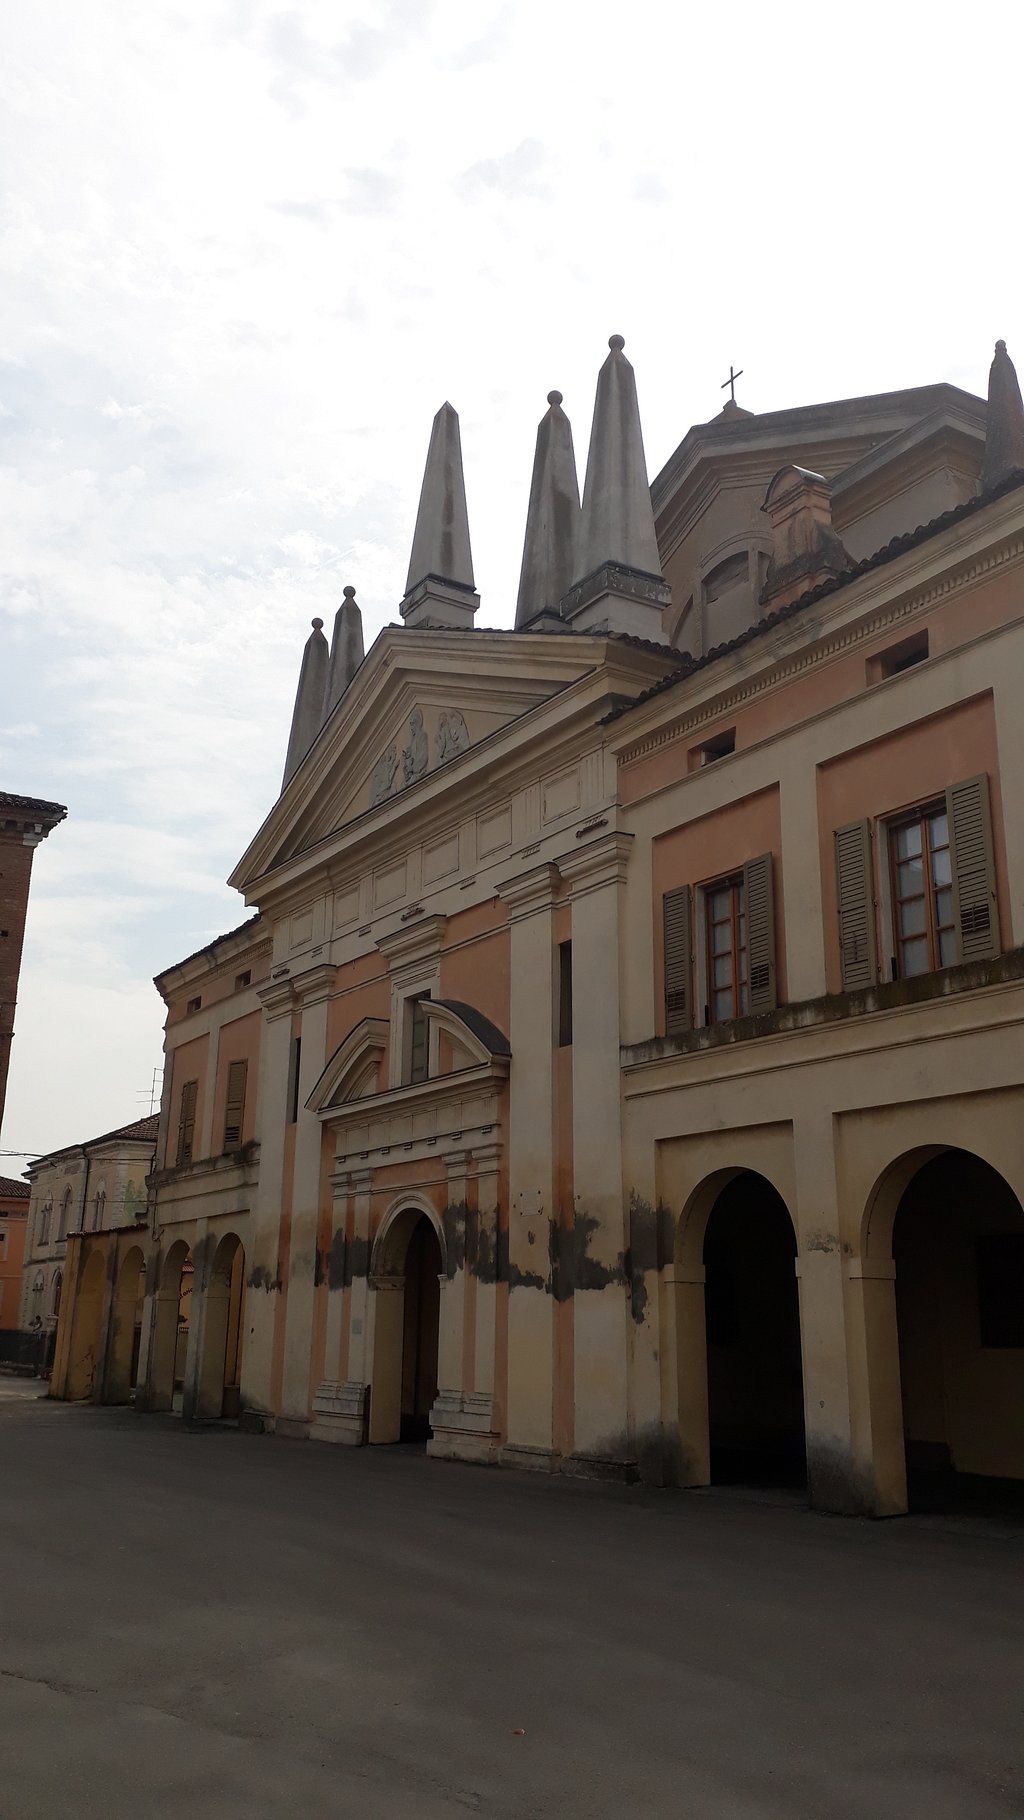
424, 702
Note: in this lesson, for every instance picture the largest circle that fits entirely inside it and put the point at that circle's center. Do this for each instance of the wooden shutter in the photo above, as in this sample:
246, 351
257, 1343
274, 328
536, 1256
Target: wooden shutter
974, 873
856, 898
235, 1105
678, 969
759, 905
187, 1121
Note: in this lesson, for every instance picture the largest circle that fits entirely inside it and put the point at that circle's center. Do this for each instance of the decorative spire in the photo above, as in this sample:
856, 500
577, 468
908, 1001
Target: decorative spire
1004, 436
618, 518
346, 651
309, 700
552, 520
440, 590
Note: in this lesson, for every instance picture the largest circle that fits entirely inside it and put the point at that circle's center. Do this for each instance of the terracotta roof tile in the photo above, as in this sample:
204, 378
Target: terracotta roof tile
14, 1190
897, 546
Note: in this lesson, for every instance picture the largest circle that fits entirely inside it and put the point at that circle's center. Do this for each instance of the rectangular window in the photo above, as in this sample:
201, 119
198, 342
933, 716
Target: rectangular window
419, 1041
234, 1109
187, 1121
243, 979
1000, 1258
564, 994
294, 1063
897, 658
922, 892
726, 927
194, 1004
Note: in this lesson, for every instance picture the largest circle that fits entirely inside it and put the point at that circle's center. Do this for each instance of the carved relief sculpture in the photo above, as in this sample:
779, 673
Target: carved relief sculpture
414, 758
452, 735
384, 775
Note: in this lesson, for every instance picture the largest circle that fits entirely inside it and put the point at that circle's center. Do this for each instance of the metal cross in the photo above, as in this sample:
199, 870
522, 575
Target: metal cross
731, 381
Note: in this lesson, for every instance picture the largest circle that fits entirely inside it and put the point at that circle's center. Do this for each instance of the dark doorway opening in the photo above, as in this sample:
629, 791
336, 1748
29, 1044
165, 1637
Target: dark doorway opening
752, 1314
420, 1329
958, 1247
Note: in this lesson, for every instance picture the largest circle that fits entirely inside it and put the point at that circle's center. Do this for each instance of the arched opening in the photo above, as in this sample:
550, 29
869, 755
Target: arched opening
407, 1288
752, 1327
958, 1250
220, 1370
126, 1328
169, 1344
85, 1329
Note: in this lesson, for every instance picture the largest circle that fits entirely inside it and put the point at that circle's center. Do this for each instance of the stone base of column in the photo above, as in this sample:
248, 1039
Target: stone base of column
531, 1459
340, 1413
293, 1428
460, 1423
598, 1466
256, 1422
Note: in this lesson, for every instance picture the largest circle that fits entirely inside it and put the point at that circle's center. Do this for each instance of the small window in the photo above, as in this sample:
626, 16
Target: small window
1000, 1257
194, 1004
99, 1208
294, 1063
243, 979
187, 1121
720, 747
564, 995
45, 1215
897, 658
922, 892
234, 1108
726, 923
65, 1214
419, 1041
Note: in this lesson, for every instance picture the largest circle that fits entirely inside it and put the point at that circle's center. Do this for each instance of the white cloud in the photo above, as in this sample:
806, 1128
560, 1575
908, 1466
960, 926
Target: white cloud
247, 250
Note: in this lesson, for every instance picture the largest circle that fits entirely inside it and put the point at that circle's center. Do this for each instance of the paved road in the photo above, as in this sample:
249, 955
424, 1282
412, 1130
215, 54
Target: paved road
218, 1625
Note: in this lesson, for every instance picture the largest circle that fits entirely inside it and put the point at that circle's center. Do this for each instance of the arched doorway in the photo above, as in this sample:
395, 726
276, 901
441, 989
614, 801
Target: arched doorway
220, 1370
169, 1344
407, 1286
752, 1330
126, 1327
85, 1328
958, 1251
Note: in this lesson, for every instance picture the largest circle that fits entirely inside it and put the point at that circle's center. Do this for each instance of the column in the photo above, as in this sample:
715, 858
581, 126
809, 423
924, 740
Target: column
447, 1413
601, 1304
340, 1405
263, 1286
879, 1454
481, 1401
312, 988
819, 1268
531, 1145
202, 1250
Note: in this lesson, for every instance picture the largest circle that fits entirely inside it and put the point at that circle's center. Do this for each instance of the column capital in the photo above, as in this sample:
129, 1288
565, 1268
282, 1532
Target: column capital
598, 863
277, 999
313, 985
530, 892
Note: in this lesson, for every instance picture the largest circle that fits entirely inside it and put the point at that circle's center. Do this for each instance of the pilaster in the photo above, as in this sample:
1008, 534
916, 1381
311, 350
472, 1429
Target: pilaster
341, 1404
263, 1286
597, 875
313, 989
533, 1209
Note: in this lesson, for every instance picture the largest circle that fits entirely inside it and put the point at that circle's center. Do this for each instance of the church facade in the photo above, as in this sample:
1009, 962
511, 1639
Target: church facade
620, 1072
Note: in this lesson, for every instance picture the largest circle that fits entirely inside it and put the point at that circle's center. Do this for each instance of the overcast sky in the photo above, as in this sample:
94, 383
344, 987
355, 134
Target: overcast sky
247, 251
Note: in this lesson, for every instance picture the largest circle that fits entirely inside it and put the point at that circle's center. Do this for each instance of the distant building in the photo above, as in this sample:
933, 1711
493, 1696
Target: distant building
13, 1227
622, 1074
24, 822
96, 1188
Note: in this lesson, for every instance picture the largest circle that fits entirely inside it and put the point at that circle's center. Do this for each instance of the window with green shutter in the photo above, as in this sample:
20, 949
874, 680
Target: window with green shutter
976, 913
856, 900
678, 964
234, 1109
187, 1121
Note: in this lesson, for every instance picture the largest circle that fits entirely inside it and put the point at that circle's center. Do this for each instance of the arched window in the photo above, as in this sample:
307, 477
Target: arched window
58, 1284
65, 1214
45, 1215
99, 1209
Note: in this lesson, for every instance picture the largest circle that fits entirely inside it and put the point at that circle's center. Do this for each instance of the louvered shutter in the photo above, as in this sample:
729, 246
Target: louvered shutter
676, 914
759, 905
974, 873
856, 898
235, 1105
187, 1121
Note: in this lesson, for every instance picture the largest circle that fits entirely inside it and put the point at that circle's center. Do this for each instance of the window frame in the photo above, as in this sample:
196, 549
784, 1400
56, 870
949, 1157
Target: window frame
705, 969
918, 814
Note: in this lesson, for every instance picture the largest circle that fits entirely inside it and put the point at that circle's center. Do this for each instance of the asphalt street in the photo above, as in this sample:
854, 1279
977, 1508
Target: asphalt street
220, 1625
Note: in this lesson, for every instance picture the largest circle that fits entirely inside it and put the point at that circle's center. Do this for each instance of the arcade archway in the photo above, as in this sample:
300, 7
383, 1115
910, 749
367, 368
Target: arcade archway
406, 1284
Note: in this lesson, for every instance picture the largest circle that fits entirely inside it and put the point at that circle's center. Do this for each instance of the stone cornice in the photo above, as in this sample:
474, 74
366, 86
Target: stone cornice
897, 611
314, 984
416, 941
277, 999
